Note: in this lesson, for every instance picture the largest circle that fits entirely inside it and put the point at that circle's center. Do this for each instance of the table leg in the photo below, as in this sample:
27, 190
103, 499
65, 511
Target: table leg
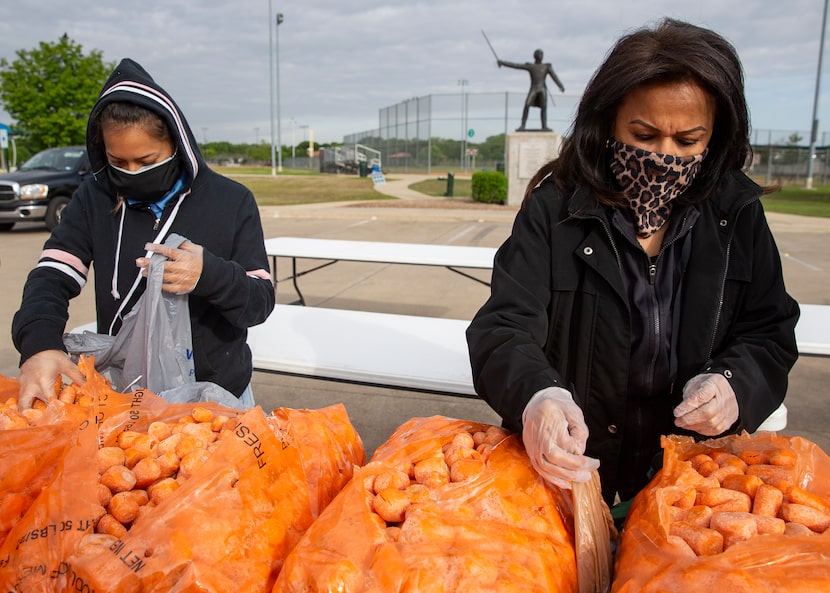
301, 299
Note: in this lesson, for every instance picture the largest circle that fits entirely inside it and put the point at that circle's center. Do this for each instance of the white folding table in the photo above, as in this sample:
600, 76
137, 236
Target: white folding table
456, 258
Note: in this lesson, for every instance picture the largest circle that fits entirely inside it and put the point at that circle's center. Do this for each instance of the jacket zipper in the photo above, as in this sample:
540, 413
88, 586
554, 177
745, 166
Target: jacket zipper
655, 312
652, 273
652, 278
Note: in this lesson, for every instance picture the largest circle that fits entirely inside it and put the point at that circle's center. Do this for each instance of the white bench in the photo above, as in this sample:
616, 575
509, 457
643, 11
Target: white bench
403, 351
453, 257
812, 333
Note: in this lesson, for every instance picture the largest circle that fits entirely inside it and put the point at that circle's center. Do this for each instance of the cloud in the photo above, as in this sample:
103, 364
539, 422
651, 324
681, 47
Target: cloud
341, 61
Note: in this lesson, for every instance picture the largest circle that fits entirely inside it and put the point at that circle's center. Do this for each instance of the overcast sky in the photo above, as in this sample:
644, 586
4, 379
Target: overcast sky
340, 61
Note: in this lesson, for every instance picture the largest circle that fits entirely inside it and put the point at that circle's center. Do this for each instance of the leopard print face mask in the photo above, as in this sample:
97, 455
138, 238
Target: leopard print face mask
651, 181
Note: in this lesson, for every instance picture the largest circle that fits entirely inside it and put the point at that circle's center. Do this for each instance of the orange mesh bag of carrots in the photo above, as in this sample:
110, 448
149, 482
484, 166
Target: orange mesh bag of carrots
31, 453
97, 391
94, 388
210, 499
33, 443
744, 514
328, 445
43, 510
47, 475
444, 505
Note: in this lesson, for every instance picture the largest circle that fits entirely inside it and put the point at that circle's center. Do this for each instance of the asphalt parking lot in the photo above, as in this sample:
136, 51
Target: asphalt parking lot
417, 290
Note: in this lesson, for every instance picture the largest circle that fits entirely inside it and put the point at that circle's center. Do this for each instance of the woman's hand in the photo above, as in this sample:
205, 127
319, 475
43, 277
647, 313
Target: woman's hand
554, 436
182, 269
39, 373
709, 405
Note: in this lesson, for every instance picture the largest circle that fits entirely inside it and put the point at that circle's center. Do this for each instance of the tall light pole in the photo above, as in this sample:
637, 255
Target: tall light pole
279, 122
271, 76
293, 146
463, 84
814, 127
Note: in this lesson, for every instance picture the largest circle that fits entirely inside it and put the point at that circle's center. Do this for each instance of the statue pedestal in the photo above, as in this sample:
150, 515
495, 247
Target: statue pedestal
526, 153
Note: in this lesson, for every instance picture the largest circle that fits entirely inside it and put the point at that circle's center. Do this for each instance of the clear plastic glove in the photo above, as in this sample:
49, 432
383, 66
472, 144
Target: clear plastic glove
709, 405
39, 374
554, 436
182, 269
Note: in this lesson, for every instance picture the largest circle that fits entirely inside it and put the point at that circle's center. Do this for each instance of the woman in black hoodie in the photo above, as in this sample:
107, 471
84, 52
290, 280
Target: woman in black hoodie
149, 181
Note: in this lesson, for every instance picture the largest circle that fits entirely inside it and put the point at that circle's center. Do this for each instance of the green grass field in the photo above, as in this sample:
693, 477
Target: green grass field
797, 200
301, 186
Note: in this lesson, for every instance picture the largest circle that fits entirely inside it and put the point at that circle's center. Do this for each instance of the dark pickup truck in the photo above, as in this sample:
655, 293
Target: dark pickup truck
42, 186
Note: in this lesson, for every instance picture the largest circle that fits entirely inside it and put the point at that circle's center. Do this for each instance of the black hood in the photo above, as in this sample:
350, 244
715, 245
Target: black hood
130, 83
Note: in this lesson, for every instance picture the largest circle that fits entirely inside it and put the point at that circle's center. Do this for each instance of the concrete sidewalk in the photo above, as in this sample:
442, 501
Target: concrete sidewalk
436, 292
398, 186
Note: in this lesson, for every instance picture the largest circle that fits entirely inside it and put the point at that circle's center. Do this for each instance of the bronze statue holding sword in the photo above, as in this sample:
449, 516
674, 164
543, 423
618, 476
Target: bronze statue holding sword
538, 94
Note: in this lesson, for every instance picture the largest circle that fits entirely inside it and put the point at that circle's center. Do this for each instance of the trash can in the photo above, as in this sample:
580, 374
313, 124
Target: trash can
363, 168
450, 184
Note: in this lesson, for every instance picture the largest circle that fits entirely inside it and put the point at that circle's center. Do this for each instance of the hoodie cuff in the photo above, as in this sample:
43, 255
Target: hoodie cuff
37, 337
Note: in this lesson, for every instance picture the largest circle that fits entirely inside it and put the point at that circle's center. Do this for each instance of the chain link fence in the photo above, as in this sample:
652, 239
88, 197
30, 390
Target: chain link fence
782, 156
456, 131
464, 132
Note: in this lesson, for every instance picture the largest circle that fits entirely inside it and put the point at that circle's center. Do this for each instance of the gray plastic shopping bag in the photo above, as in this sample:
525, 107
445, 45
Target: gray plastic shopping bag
160, 349
154, 347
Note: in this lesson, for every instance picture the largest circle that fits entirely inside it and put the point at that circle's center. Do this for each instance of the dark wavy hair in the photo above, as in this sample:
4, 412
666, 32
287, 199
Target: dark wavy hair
672, 51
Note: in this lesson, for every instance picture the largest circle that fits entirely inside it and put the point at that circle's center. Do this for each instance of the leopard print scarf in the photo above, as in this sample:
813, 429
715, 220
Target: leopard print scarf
651, 181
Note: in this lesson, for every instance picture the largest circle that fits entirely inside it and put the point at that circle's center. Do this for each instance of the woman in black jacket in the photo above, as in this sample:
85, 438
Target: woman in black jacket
149, 180
640, 292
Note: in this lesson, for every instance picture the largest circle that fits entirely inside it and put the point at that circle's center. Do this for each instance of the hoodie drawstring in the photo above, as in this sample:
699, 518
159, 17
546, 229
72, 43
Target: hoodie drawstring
114, 291
159, 238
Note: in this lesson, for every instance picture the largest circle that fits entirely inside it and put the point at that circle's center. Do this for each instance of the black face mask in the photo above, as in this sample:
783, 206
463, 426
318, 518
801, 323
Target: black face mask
148, 184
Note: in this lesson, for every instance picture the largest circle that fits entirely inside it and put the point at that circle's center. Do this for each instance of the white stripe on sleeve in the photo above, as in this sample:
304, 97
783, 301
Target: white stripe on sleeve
66, 269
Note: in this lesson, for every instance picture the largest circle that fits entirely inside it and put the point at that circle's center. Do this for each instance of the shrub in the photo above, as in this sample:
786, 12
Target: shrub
489, 187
